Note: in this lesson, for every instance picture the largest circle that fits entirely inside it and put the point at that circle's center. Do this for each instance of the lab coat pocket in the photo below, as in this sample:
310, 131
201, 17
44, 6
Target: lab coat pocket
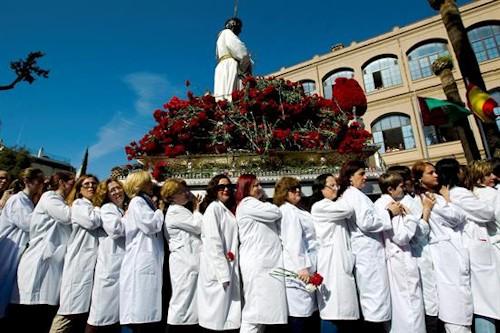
480, 255
87, 259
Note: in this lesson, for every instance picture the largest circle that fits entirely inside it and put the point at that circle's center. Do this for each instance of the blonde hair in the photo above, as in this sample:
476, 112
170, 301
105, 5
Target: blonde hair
477, 171
283, 186
136, 182
171, 187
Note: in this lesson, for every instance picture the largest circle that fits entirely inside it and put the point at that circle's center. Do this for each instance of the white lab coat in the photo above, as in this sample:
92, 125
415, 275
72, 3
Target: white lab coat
219, 308
105, 304
408, 313
337, 296
260, 253
40, 268
182, 230
14, 235
226, 72
300, 251
491, 196
141, 274
421, 251
484, 269
451, 263
366, 228
79, 262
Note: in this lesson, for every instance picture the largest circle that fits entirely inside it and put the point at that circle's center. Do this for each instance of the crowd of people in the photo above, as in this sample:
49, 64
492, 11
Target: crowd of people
79, 255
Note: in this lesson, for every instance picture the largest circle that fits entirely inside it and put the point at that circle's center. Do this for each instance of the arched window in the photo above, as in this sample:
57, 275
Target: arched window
381, 73
485, 41
329, 79
421, 58
309, 87
393, 133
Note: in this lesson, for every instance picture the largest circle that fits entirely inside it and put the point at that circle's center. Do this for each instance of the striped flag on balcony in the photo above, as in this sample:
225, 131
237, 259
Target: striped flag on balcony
481, 103
439, 112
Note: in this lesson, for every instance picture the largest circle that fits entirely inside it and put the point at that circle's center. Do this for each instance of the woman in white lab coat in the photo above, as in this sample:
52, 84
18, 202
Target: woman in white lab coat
450, 257
366, 227
141, 274
182, 230
219, 294
485, 273
337, 297
14, 233
105, 304
408, 313
300, 250
260, 253
40, 268
81, 255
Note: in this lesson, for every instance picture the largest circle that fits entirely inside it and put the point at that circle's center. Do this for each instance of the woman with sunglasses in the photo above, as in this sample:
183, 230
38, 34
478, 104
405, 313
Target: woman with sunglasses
182, 230
299, 255
337, 297
219, 300
260, 253
79, 262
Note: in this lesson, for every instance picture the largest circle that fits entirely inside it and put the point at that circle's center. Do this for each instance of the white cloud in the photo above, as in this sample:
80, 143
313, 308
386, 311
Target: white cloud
152, 91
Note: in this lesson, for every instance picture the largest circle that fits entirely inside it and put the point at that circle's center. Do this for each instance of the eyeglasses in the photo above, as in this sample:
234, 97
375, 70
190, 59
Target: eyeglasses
89, 185
222, 187
332, 187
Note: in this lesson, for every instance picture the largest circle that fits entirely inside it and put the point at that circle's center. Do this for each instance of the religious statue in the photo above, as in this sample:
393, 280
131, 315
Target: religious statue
233, 60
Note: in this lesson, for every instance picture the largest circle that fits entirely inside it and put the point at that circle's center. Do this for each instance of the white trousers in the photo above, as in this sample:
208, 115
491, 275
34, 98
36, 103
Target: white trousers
251, 328
452, 328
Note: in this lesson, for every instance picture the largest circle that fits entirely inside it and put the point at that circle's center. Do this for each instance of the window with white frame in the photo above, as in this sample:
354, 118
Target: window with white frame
420, 59
382, 73
309, 87
485, 41
393, 133
329, 80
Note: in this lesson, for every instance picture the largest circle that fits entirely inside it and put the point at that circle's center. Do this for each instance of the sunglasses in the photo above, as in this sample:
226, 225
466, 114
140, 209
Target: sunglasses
222, 187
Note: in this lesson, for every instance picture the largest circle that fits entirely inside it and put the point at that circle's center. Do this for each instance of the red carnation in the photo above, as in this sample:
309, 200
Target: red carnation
316, 279
230, 256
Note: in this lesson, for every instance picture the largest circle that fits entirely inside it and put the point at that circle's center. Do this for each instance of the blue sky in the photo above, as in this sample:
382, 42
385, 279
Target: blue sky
113, 62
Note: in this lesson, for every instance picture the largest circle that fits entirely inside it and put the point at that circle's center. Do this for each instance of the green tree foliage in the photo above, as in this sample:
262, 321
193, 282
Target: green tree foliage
13, 160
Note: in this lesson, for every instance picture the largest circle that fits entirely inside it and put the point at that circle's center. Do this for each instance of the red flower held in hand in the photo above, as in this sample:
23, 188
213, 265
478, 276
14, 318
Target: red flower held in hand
230, 256
316, 279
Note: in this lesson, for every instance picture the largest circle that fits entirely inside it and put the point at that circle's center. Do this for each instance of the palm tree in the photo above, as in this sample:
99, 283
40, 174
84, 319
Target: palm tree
442, 67
466, 58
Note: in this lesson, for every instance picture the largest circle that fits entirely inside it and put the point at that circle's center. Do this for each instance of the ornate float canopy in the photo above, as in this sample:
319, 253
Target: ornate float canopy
270, 124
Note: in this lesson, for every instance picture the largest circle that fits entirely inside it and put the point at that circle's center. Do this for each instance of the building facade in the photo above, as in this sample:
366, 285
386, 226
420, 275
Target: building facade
395, 68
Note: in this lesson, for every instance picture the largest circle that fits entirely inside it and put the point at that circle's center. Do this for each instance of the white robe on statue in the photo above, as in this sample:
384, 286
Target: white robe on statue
451, 262
231, 54
219, 308
300, 251
366, 228
337, 296
40, 268
182, 230
485, 271
141, 274
79, 262
260, 253
105, 305
408, 313
14, 235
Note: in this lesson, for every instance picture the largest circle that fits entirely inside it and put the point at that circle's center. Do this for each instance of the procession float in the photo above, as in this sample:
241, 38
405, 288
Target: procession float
270, 127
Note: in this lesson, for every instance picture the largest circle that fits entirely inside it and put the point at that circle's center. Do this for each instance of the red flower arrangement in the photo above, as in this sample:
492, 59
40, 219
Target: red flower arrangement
268, 114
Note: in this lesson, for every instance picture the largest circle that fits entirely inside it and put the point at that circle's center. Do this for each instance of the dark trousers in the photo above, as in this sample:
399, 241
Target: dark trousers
339, 326
116, 328
147, 328
28, 318
433, 324
304, 324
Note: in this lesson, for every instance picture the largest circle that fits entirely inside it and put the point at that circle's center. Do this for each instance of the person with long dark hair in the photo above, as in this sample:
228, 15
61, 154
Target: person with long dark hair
260, 253
366, 226
14, 233
104, 313
41, 266
141, 274
219, 294
484, 273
